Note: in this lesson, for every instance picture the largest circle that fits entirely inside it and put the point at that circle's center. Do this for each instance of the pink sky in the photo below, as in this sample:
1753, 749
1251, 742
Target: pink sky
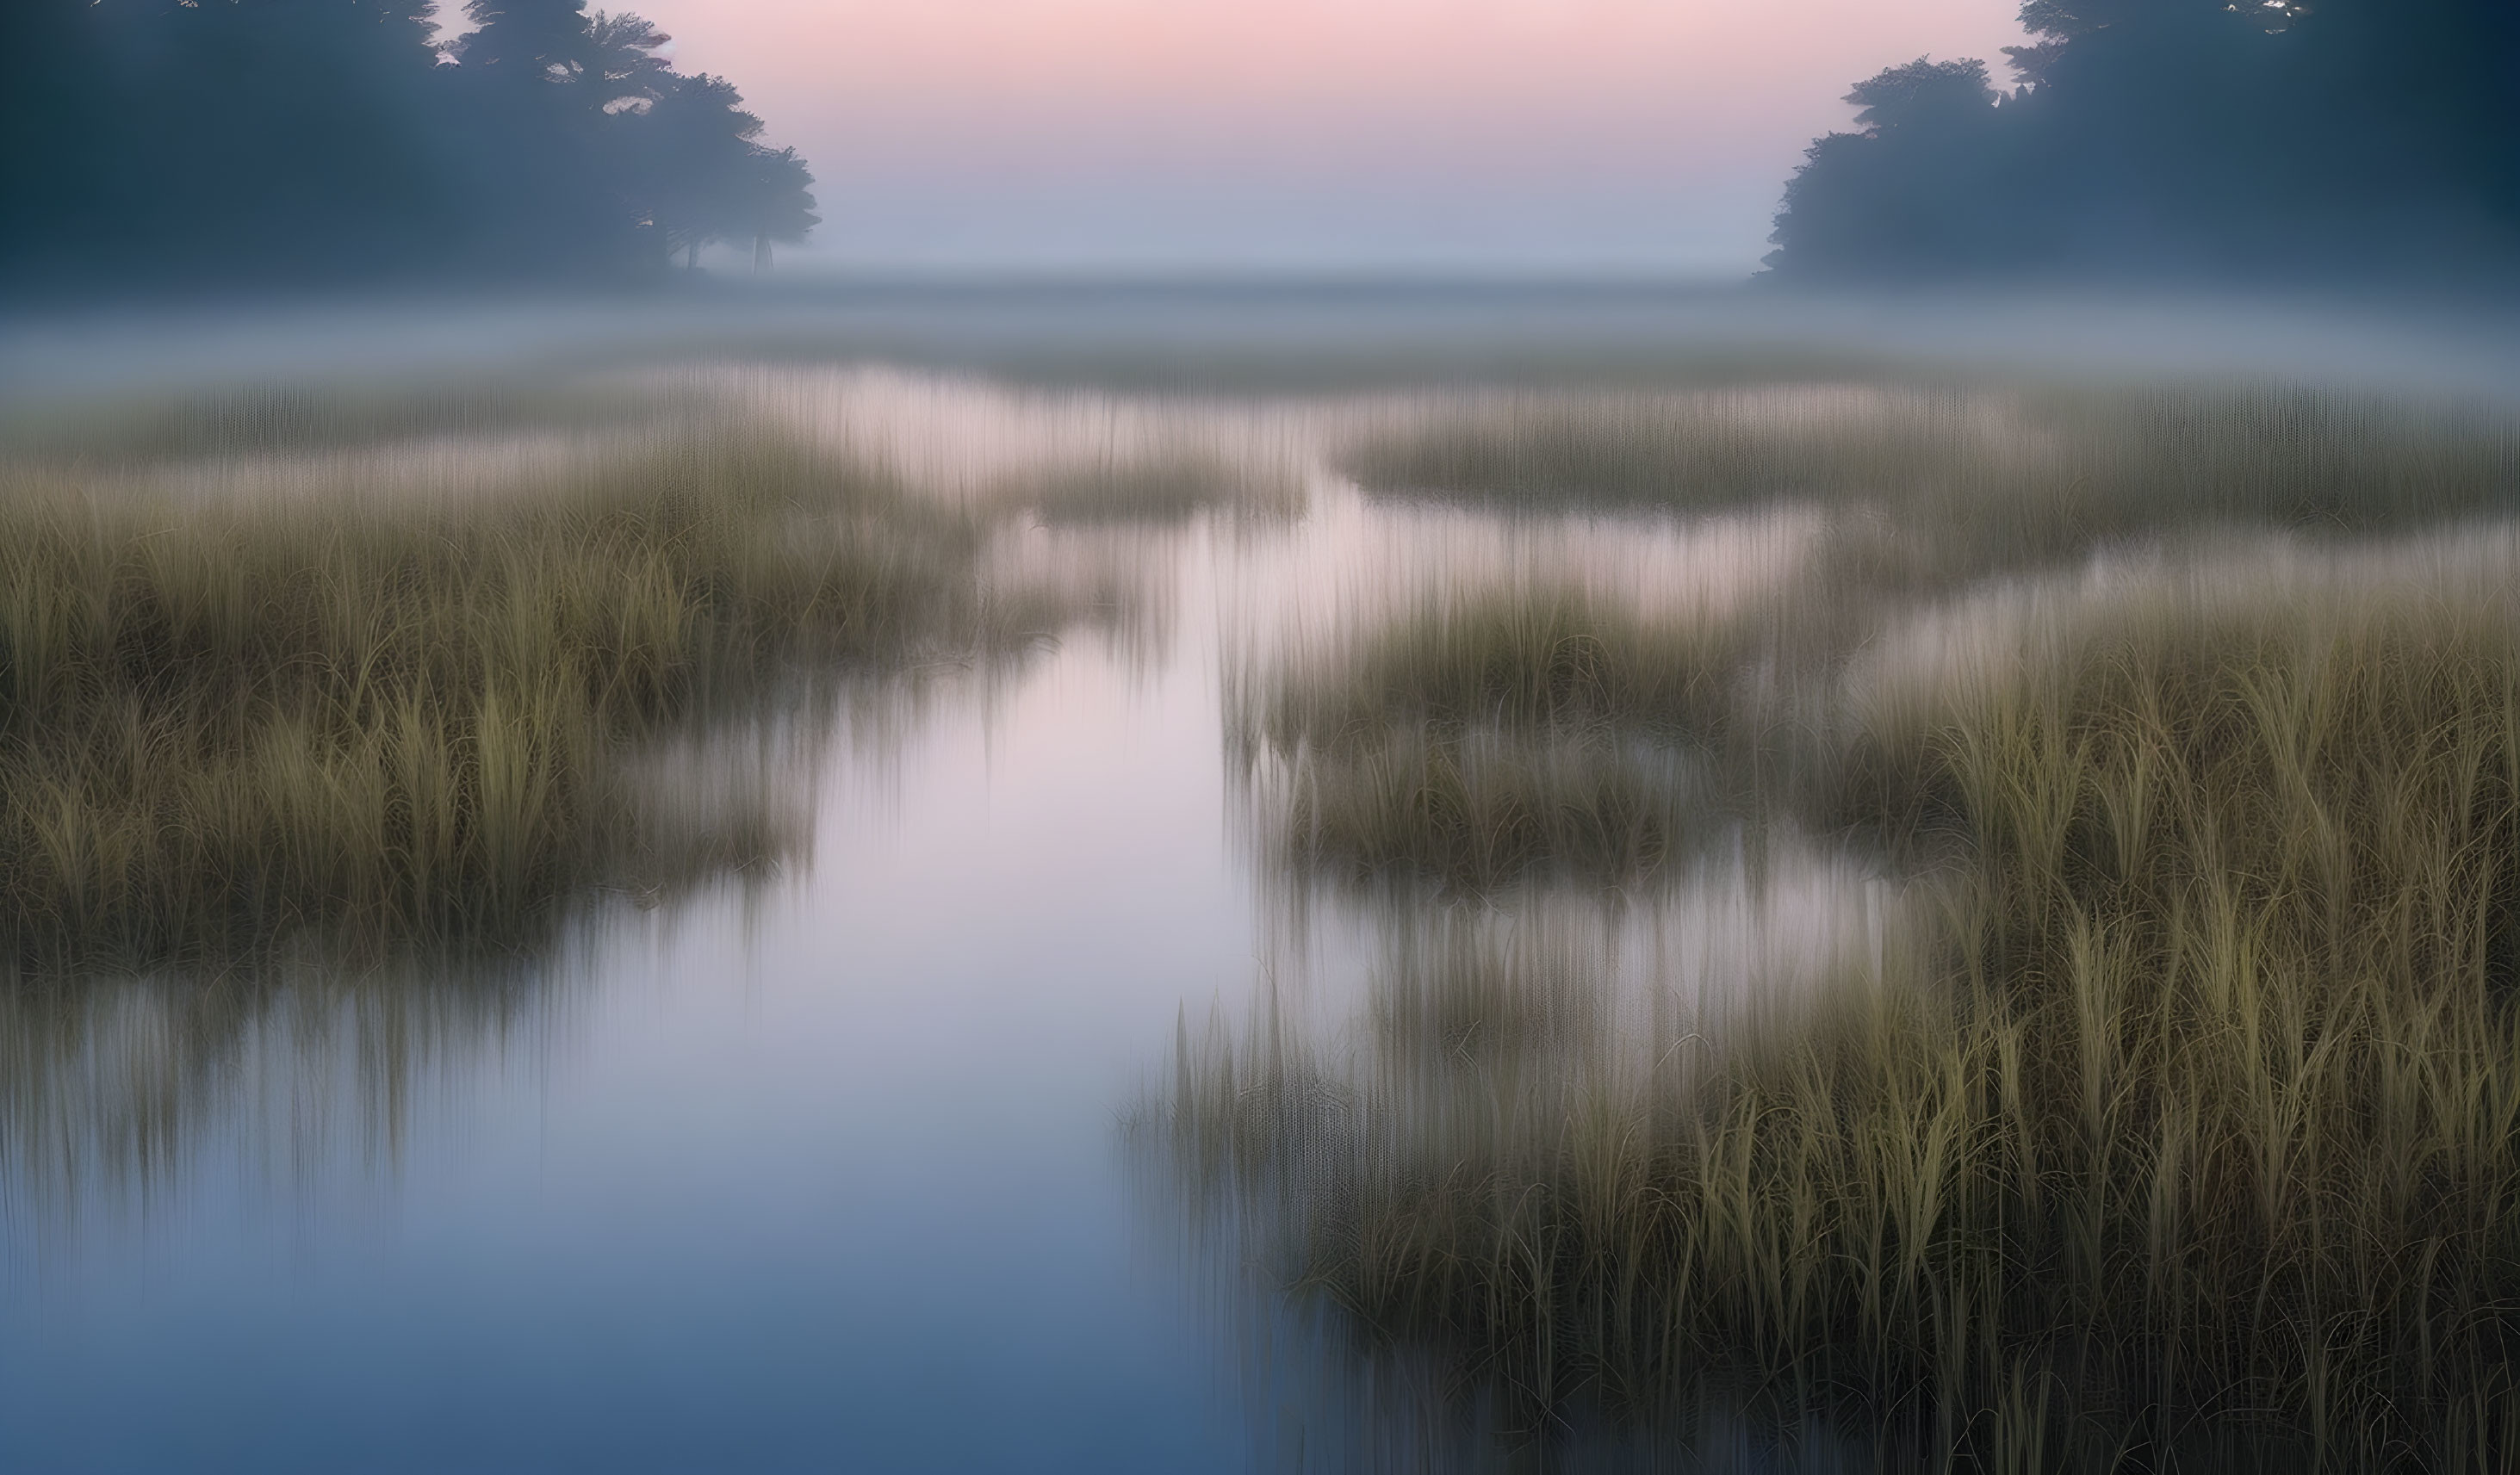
1543, 133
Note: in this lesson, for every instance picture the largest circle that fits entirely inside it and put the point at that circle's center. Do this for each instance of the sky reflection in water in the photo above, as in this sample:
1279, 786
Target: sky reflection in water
825, 1171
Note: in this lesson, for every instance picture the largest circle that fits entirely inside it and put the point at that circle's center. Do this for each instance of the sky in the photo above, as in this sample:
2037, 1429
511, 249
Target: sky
1562, 137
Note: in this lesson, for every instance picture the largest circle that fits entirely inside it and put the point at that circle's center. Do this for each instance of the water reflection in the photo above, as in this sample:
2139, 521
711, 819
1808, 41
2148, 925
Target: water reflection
329, 748
1775, 905
1816, 1028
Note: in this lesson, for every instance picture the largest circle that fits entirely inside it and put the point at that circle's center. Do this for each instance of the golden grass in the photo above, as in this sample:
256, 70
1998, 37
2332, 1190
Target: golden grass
1990, 478
223, 720
1488, 735
2192, 1138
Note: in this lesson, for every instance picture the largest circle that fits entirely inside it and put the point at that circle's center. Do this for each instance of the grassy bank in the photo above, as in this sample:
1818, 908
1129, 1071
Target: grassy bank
405, 715
2185, 1135
1980, 477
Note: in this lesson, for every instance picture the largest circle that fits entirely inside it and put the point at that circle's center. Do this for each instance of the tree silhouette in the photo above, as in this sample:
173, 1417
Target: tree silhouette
2357, 139
1889, 200
708, 179
189, 143
776, 202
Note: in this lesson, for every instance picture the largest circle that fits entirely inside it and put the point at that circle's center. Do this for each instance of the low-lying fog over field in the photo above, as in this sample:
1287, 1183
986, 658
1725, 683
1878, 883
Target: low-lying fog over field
1331, 877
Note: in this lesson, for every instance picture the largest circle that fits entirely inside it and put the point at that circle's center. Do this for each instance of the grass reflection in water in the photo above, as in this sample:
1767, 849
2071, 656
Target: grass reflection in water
2167, 1119
308, 766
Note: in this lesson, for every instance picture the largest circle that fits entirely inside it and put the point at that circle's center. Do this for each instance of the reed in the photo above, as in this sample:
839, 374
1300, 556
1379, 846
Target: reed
275, 417
2187, 1134
405, 716
1489, 735
1984, 478
1162, 489
1704, 451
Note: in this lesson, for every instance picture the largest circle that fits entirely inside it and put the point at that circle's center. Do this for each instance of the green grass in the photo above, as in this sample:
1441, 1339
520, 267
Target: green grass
2187, 1134
405, 717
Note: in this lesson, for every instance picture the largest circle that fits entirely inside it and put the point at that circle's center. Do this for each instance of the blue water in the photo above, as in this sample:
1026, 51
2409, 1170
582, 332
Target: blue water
829, 1177
825, 1174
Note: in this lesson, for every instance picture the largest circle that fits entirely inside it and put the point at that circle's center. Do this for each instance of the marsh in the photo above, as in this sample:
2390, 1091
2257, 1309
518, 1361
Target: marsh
1441, 882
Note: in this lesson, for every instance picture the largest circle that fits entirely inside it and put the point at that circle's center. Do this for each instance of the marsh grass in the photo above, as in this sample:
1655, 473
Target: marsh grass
2187, 1137
1984, 478
1700, 452
1472, 812
297, 417
1487, 736
1155, 490
409, 717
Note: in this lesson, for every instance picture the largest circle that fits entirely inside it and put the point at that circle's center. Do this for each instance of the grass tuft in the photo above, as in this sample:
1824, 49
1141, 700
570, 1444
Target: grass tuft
224, 720
2186, 1130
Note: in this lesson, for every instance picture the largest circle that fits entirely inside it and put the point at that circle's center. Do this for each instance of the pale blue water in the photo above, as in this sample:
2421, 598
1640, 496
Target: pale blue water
827, 1177
827, 1182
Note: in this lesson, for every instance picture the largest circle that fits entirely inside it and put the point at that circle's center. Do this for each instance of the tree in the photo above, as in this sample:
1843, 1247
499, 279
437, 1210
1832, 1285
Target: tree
621, 63
1922, 94
1892, 198
198, 143
547, 42
2369, 139
707, 177
776, 202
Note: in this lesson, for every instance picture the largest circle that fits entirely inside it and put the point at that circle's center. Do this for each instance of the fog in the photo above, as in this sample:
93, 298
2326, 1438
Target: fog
181, 150
1262, 795
1279, 333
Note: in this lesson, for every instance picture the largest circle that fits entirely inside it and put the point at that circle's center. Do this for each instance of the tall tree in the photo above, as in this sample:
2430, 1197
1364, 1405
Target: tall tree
547, 42
2308, 138
777, 205
1886, 200
709, 180
198, 143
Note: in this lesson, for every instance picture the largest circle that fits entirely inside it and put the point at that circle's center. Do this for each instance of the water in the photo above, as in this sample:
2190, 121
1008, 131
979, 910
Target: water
827, 1170
825, 1182
823, 1174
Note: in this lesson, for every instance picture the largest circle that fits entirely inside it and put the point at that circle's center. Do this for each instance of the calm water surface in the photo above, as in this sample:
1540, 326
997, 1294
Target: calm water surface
824, 1178
825, 1172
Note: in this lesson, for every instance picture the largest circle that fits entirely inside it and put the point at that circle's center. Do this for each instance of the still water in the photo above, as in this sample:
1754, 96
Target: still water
824, 1178
831, 1166
825, 1172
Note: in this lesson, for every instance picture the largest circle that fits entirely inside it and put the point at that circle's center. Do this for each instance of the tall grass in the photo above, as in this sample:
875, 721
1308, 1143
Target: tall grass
222, 720
1162, 489
2189, 1135
1988, 476
285, 417
1489, 735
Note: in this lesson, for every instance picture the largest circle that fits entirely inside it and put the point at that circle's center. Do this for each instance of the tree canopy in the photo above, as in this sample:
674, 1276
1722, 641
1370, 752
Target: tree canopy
205, 143
2262, 139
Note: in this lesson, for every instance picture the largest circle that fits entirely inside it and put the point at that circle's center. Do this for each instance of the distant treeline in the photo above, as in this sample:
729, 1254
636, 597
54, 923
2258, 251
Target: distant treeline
217, 143
2263, 140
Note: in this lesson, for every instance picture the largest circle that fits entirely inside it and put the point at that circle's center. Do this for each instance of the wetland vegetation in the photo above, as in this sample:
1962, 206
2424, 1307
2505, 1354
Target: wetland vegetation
1898, 923
2161, 1115
405, 715
328, 716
